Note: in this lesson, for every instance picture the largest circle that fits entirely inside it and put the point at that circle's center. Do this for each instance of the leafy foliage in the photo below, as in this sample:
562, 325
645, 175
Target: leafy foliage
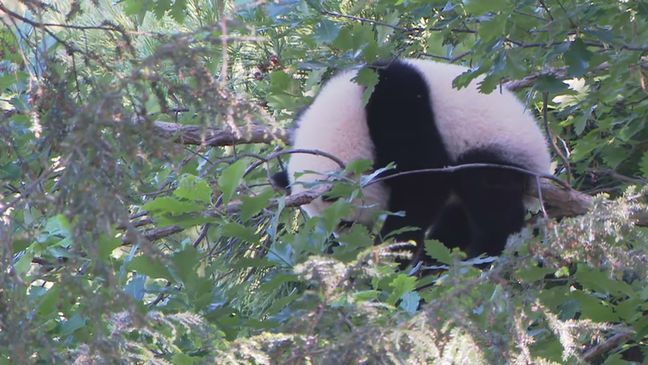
123, 243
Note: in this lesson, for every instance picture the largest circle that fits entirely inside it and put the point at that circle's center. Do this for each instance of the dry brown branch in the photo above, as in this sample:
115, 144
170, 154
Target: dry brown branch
207, 136
561, 202
606, 346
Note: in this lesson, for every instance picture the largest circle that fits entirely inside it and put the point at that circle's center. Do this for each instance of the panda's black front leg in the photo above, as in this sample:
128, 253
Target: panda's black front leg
419, 200
493, 201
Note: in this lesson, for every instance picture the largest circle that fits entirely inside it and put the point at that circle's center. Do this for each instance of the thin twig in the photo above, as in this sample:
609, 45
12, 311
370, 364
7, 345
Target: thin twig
277, 154
552, 140
450, 169
546, 8
370, 21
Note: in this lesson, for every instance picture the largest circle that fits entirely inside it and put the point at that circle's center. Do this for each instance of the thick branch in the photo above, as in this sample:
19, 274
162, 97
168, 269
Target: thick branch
606, 346
560, 202
199, 135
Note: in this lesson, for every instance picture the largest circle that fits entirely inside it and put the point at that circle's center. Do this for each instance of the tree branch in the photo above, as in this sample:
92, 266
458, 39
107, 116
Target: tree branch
208, 136
560, 202
606, 346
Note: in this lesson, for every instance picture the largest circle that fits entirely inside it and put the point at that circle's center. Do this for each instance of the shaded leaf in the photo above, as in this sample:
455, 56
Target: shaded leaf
230, 178
194, 188
149, 267
577, 58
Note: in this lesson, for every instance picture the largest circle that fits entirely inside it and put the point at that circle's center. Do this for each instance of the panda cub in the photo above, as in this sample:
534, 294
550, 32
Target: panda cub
415, 119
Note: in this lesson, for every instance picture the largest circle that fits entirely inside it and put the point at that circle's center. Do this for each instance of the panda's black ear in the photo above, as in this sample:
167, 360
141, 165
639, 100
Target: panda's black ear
280, 181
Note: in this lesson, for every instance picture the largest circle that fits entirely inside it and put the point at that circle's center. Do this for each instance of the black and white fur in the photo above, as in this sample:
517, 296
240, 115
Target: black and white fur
416, 119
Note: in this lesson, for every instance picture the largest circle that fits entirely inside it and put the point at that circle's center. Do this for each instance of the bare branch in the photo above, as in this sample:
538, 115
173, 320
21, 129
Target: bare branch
207, 136
606, 346
565, 202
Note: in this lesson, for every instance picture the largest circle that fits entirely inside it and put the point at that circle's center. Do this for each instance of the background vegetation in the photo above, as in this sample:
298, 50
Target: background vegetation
138, 225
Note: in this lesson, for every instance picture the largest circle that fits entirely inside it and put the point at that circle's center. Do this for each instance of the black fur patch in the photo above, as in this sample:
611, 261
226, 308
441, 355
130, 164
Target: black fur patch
280, 180
403, 130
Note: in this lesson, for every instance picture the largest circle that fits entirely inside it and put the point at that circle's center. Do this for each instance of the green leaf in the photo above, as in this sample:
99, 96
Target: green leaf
410, 302
282, 83
47, 305
594, 308
352, 242
150, 267
10, 171
341, 190
74, 323
254, 204
169, 205
136, 287
326, 31
344, 40
24, 263
368, 78
384, 34
161, 7
178, 10
358, 166
365, 295
278, 280
230, 178
136, 7
643, 165
613, 155
239, 231
107, 245
194, 188
600, 282
183, 359
282, 254
438, 251
184, 263
549, 84
577, 58
401, 285
642, 8
533, 273
494, 28
12, 78
332, 215
479, 7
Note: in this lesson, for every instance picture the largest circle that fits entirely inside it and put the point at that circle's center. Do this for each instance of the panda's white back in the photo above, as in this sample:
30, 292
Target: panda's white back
335, 123
468, 119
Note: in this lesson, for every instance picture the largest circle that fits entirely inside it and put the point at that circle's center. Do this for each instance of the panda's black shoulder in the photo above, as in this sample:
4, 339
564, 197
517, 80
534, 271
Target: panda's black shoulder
399, 81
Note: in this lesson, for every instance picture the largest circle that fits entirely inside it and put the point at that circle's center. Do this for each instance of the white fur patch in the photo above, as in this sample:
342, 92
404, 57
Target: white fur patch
336, 123
468, 119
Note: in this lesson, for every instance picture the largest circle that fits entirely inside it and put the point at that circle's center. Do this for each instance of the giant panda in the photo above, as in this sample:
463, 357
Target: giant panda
415, 119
